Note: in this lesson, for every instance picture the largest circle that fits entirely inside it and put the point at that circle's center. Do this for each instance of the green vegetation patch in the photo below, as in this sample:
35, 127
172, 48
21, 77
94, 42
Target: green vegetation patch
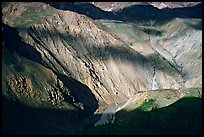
147, 104
153, 32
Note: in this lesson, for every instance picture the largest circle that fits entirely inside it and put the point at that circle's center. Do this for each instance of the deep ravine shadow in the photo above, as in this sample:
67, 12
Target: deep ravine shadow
134, 13
17, 119
87, 9
147, 13
20, 119
13, 42
81, 92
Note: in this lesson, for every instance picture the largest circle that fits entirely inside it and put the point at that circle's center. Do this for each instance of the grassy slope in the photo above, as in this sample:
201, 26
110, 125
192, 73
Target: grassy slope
182, 117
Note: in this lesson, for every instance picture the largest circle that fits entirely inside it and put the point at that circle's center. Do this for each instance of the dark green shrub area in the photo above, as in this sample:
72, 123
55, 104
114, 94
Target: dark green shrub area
182, 117
153, 32
147, 104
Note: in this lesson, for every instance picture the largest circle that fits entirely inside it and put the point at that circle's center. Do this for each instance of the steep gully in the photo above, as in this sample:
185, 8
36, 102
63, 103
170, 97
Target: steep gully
108, 115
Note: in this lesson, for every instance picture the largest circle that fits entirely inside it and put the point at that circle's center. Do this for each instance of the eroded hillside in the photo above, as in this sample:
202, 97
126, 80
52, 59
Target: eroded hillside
61, 59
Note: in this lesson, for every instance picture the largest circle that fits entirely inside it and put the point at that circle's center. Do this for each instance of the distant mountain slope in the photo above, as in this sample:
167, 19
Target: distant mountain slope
114, 6
138, 12
179, 42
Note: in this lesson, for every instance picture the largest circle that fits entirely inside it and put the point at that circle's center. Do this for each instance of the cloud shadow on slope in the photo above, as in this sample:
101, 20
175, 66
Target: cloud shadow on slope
126, 54
104, 53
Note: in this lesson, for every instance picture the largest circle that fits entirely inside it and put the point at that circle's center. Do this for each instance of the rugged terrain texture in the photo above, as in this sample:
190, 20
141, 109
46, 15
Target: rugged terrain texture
114, 6
83, 63
74, 45
179, 43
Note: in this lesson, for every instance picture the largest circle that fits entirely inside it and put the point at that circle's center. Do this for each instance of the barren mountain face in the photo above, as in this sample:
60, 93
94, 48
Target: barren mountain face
162, 5
109, 6
62, 56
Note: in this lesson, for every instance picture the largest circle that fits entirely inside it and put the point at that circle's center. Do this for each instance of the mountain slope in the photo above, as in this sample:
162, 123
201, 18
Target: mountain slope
74, 45
92, 61
63, 60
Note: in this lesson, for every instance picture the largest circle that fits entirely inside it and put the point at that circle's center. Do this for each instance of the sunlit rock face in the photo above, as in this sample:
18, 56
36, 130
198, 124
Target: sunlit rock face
114, 6
162, 5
